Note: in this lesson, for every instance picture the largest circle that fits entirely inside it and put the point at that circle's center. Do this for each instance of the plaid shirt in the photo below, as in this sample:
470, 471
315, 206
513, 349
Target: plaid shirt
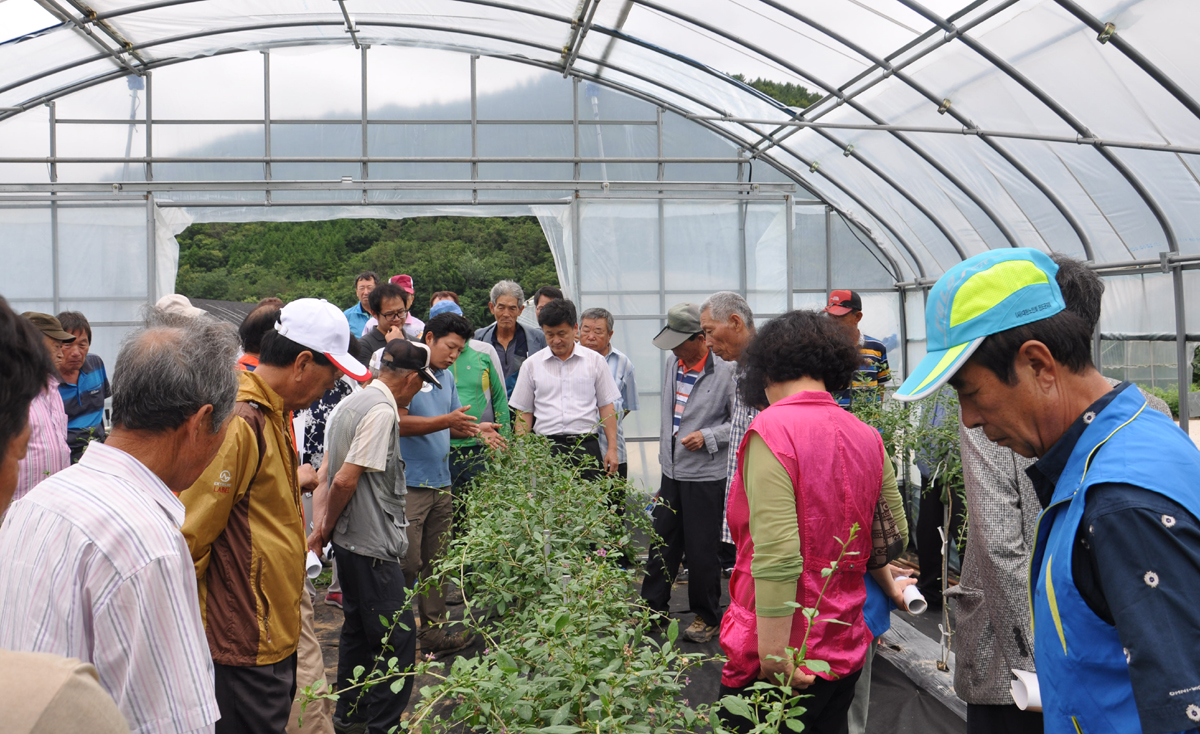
740, 421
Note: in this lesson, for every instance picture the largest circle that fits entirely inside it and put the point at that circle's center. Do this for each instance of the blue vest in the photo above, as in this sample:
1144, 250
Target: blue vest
877, 611
1081, 666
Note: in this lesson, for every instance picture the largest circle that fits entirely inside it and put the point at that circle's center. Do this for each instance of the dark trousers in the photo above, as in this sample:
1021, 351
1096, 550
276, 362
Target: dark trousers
465, 464
930, 517
1002, 720
372, 588
255, 699
688, 520
826, 706
583, 450
727, 554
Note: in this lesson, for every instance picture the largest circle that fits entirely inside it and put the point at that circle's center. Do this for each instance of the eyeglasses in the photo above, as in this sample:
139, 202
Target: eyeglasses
394, 315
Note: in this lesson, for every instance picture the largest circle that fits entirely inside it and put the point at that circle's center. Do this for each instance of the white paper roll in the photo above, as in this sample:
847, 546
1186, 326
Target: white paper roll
1025, 691
312, 565
914, 601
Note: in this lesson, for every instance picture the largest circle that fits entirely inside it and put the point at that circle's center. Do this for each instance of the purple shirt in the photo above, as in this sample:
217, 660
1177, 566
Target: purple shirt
48, 452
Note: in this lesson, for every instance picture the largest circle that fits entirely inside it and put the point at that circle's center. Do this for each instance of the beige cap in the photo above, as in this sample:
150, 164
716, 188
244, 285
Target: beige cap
176, 303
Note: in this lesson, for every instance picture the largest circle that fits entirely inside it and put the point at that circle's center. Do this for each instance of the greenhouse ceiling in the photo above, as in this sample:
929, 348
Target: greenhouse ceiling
946, 129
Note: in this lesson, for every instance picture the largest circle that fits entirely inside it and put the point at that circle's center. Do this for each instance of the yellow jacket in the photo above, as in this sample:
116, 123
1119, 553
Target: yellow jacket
245, 528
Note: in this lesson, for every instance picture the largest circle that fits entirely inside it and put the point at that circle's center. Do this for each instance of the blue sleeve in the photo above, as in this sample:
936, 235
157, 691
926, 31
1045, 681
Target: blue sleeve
629, 390
1143, 550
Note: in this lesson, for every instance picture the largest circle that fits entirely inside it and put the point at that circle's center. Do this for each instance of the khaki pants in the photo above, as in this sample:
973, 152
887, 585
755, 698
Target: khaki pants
430, 519
310, 668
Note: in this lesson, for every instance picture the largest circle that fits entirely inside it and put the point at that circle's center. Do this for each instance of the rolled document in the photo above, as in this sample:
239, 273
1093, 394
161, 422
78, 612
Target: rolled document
1025, 691
914, 601
312, 565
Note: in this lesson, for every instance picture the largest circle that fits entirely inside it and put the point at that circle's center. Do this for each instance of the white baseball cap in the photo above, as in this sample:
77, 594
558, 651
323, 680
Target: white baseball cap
322, 327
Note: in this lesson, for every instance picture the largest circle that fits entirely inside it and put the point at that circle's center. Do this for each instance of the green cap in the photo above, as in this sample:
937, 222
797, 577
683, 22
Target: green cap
983, 295
683, 322
50, 326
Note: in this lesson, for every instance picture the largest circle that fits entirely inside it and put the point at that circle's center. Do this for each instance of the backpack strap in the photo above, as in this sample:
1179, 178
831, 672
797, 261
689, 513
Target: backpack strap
252, 414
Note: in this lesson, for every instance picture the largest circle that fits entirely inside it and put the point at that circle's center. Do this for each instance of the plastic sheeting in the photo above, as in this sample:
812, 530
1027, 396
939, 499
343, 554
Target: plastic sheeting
1028, 68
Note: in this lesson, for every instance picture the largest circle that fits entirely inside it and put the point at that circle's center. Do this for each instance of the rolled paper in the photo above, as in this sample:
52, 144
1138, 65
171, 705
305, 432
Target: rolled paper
914, 601
1025, 691
312, 565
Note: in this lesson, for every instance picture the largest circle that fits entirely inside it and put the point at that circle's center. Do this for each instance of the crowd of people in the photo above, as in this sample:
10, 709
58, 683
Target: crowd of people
154, 576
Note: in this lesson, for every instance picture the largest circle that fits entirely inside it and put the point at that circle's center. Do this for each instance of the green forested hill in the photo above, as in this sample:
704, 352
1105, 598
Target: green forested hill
467, 255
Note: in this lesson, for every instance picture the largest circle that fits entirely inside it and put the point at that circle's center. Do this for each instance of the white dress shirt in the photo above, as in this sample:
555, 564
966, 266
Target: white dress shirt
565, 396
96, 568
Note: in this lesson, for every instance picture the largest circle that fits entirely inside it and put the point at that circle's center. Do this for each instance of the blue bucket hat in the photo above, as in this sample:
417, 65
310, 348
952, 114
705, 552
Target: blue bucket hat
983, 295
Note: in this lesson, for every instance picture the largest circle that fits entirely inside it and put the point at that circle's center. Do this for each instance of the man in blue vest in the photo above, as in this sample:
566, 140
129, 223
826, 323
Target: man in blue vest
1115, 573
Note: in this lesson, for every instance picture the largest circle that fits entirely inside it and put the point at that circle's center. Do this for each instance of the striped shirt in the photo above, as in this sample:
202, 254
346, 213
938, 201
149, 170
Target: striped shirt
622, 371
47, 453
871, 376
738, 423
96, 568
685, 380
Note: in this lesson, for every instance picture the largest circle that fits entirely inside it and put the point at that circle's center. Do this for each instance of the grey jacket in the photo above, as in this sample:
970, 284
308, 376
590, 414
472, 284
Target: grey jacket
709, 410
373, 523
533, 337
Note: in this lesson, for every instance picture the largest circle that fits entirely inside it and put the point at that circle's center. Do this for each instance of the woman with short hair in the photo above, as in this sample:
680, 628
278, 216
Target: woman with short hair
808, 471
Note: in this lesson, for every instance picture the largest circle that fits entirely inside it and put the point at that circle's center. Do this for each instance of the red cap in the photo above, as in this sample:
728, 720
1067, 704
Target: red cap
405, 283
843, 302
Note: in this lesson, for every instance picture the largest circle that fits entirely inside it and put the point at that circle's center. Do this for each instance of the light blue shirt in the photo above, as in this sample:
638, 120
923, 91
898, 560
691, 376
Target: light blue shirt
358, 318
427, 458
622, 371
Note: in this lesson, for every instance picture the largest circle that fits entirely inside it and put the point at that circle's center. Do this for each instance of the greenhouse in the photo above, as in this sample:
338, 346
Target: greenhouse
937, 130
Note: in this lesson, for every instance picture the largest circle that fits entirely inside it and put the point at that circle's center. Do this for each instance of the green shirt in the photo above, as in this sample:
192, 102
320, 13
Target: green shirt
480, 386
775, 526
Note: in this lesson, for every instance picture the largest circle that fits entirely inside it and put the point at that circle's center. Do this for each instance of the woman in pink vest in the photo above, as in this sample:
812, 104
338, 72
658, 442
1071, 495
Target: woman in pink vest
807, 471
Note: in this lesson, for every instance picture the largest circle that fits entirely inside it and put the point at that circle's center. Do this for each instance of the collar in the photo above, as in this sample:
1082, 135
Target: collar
698, 367
387, 393
1046, 472
358, 308
574, 353
253, 389
105, 459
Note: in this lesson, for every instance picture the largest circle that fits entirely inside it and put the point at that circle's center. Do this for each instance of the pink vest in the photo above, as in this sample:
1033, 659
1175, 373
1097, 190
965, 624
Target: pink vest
836, 465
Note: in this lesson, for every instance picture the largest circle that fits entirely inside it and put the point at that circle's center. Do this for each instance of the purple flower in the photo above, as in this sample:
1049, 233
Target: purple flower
602, 552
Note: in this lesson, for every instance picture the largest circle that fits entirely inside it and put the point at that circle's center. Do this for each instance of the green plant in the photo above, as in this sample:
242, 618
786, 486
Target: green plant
1170, 395
567, 644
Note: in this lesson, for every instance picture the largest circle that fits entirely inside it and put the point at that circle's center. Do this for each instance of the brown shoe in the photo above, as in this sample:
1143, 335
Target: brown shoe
699, 631
446, 644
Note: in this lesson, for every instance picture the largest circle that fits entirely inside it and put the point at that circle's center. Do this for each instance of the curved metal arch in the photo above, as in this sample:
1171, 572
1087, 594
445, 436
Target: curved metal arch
292, 24
997, 221
917, 149
1020, 167
1134, 55
1062, 112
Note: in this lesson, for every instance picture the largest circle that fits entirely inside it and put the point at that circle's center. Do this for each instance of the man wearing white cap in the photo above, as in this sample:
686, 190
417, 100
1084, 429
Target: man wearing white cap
245, 525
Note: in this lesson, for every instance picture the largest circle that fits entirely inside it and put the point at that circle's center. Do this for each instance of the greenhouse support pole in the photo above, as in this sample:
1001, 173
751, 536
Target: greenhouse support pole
53, 205
1096, 346
475, 122
267, 120
575, 121
577, 249
828, 251
1183, 365
742, 209
789, 207
364, 170
149, 126
151, 255
903, 332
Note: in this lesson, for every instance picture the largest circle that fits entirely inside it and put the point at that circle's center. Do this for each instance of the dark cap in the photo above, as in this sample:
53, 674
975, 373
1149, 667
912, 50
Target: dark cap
683, 322
50, 326
406, 355
843, 302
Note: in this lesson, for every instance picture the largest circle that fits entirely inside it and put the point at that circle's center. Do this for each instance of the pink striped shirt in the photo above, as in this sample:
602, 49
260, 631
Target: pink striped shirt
96, 568
48, 453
